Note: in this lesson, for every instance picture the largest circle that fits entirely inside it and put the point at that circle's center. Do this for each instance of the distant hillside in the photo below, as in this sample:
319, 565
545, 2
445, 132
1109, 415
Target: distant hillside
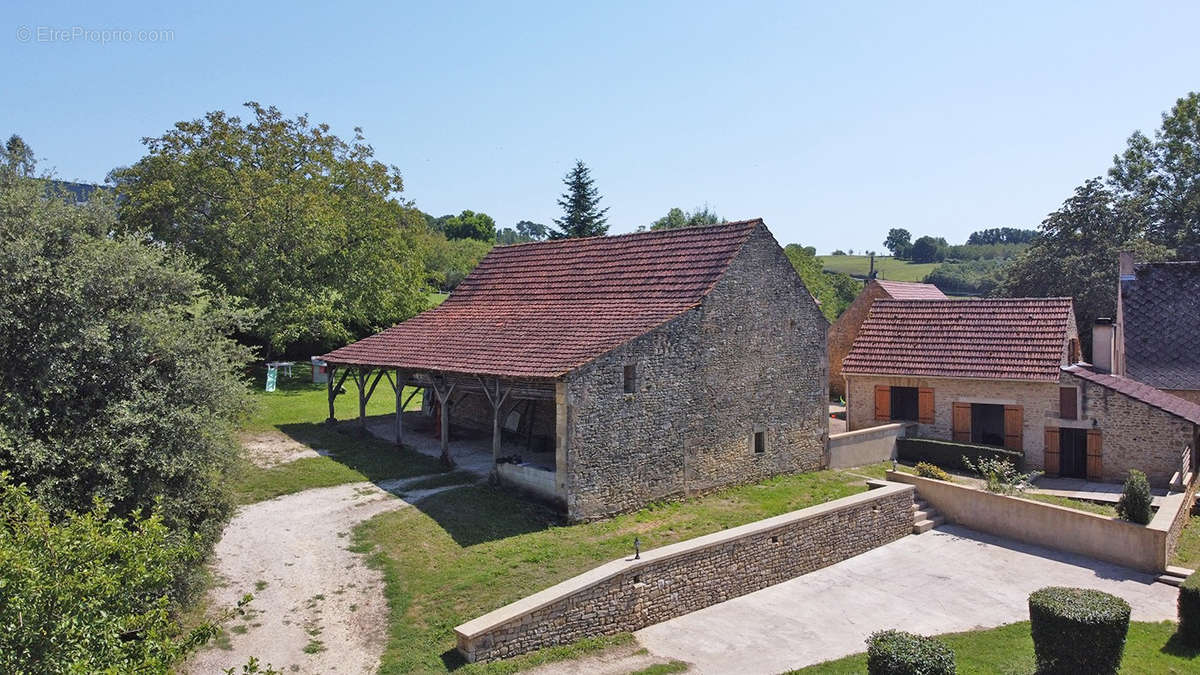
885, 267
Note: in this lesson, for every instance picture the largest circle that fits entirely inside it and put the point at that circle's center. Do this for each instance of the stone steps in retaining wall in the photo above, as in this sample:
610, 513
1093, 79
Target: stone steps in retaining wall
925, 517
1174, 576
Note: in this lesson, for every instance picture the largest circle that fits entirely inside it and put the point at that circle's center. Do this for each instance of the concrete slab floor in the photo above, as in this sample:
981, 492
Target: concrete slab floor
946, 580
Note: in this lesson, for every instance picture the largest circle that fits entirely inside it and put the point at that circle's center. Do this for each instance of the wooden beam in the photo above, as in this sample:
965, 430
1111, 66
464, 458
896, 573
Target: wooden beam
361, 378
496, 398
416, 390
443, 394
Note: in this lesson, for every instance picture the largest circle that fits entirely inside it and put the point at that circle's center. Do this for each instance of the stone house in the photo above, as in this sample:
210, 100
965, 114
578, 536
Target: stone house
1156, 336
970, 370
1007, 372
845, 328
1107, 424
649, 365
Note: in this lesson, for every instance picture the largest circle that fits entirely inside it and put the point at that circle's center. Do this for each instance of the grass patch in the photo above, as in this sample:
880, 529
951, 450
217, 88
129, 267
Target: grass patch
298, 409
886, 267
1077, 504
662, 668
456, 477
1149, 648
461, 553
1187, 550
314, 647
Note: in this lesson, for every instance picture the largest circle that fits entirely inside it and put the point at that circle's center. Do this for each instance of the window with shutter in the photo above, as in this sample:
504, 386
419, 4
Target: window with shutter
883, 402
1013, 431
1067, 398
925, 406
962, 422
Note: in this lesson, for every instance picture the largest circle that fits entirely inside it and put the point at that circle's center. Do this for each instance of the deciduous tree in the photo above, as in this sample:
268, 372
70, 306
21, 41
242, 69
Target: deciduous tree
285, 215
899, 241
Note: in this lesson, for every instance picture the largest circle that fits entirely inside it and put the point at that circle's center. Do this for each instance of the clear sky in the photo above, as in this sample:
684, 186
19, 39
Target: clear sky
832, 122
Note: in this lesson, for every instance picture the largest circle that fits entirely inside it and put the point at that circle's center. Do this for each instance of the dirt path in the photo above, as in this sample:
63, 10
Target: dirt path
271, 448
318, 608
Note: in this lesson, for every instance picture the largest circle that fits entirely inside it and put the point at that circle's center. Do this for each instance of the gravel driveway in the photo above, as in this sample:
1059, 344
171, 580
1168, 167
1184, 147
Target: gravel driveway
317, 607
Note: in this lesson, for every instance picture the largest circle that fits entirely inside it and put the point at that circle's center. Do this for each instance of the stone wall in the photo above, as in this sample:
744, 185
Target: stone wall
1182, 515
750, 359
865, 446
1039, 402
1133, 435
627, 594
844, 330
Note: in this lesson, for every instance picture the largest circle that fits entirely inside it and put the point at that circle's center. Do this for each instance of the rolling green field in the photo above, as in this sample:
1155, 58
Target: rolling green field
887, 267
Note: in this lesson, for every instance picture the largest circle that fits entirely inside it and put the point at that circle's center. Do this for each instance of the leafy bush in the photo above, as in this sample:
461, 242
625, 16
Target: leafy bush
927, 470
1001, 476
893, 652
1078, 630
1189, 610
1134, 505
88, 593
949, 454
120, 381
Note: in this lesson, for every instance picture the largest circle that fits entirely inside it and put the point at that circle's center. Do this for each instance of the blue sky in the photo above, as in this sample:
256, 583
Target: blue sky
832, 123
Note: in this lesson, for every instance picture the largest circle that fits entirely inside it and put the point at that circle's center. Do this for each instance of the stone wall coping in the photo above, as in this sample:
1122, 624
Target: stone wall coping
1168, 509
881, 430
576, 584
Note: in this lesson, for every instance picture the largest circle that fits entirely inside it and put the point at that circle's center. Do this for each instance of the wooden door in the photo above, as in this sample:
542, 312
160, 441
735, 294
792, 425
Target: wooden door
1095, 462
1051, 460
1013, 427
883, 402
962, 422
925, 405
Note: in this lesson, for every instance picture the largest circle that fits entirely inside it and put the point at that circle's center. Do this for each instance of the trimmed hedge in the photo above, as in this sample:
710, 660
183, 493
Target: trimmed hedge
948, 454
1135, 499
1078, 630
1189, 610
894, 652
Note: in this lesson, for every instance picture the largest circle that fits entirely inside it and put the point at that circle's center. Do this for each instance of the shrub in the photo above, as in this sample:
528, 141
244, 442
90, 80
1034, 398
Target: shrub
949, 454
1001, 476
927, 470
1189, 610
1134, 505
1077, 630
893, 652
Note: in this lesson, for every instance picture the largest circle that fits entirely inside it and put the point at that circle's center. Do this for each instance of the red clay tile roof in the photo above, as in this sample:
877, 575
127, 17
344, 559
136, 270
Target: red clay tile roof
1001, 338
1141, 392
911, 290
544, 309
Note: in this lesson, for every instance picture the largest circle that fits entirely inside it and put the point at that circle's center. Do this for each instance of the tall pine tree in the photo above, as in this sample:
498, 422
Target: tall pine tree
582, 215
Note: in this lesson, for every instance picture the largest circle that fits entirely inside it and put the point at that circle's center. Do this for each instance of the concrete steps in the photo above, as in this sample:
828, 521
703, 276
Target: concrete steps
925, 517
1174, 576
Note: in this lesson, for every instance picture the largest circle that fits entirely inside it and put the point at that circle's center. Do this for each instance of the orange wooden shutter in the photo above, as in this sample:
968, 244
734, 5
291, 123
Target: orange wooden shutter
883, 402
1052, 451
1095, 464
962, 422
1012, 427
925, 405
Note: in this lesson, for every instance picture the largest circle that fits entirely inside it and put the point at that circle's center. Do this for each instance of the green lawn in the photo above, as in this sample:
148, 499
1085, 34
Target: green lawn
298, 408
885, 267
1187, 551
1077, 504
465, 552
1149, 648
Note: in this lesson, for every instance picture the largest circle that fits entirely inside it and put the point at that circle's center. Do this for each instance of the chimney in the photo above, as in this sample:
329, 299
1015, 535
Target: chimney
1125, 265
1102, 345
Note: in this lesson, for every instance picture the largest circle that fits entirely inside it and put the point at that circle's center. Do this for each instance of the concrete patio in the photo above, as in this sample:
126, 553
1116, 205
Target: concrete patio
949, 579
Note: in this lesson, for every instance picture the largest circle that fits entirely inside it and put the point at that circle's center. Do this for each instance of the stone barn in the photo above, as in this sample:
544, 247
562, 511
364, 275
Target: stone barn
626, 369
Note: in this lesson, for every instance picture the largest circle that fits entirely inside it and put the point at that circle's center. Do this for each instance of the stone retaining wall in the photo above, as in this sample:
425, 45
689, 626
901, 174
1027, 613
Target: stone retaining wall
628, 594
1182, 514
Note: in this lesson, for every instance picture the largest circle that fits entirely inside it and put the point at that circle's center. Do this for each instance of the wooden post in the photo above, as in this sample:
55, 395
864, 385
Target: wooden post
398, 385
331, 391
361, 378
497, 401
443, 396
